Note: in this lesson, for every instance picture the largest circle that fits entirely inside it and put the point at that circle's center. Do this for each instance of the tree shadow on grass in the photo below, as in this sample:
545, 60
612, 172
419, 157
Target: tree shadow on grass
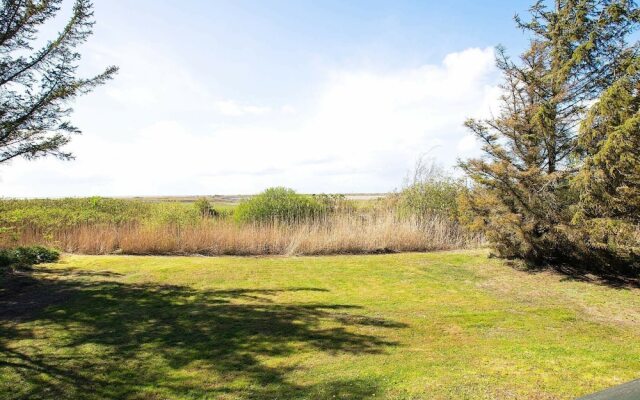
123, 340
614, 277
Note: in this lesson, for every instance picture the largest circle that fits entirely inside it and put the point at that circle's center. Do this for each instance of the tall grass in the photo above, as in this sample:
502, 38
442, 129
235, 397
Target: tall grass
339, 233
278, 221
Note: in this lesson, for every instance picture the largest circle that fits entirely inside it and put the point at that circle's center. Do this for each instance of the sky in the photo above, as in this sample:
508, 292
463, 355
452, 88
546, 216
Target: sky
232, 97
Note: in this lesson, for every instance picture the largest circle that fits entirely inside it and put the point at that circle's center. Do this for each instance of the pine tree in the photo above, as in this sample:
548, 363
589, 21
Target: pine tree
608, 181
523, 197
609, 144
37, 85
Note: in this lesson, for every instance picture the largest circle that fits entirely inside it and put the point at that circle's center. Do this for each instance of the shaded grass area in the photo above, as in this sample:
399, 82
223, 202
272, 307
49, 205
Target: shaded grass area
452, 325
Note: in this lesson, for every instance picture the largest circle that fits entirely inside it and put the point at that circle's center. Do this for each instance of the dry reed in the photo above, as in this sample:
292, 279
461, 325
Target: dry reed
337, 234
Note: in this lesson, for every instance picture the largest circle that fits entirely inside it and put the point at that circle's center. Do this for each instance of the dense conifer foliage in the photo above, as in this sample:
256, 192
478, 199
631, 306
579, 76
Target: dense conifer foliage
38, 82
562, 153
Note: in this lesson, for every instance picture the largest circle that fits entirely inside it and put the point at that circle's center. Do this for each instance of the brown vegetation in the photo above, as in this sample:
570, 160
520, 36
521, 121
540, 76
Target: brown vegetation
336, 234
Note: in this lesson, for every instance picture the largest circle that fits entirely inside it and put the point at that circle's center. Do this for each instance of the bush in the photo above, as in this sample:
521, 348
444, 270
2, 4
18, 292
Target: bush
6, 258
59, 213
204, 208
27, 256
55, 214
430, 198
429, 191
279, 204
332, 203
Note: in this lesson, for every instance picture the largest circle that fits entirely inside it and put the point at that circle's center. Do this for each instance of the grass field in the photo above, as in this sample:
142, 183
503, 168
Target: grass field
450, 325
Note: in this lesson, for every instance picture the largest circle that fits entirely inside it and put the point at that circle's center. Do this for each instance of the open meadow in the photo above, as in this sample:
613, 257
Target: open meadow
402, 200
445, 325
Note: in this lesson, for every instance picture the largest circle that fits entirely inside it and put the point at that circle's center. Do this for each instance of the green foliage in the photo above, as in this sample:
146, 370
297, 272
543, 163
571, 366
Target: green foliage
205, 208
429, 191
524, 197
68, 212
609, 144
334, 202
50, 214
27, 256
608, 181
38, 83
170, 213
6, 259
279, 204
424, 199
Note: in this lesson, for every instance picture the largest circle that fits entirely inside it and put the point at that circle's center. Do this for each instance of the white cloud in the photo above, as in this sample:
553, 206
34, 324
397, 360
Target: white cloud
383, 122
288, 109
235, 109
149, 78
361, 131
467, 145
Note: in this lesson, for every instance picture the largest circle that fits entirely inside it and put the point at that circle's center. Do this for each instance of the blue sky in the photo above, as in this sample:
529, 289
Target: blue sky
222, 97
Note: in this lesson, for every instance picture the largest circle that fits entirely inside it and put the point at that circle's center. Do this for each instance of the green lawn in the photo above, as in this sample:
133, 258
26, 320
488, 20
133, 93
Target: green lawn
451, 325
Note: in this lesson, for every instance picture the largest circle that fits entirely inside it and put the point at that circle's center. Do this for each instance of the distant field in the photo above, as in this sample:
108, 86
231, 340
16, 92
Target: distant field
449, 325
